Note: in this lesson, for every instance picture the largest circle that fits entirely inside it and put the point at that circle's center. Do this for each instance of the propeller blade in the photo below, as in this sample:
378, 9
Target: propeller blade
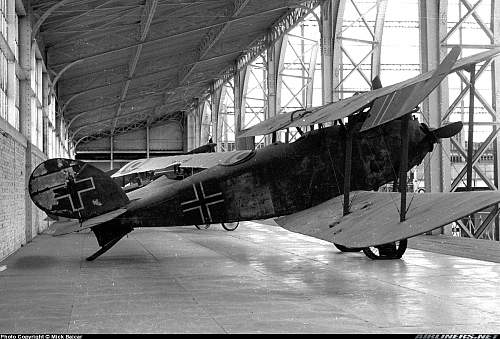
448, 131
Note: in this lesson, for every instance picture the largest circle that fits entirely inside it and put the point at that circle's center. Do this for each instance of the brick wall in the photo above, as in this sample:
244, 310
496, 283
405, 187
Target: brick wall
12, 195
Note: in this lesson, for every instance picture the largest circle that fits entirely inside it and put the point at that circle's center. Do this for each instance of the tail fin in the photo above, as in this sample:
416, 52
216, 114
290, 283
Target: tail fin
74, 189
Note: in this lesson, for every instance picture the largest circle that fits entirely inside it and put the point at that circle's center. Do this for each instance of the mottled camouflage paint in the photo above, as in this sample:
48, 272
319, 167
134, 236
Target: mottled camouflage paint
283, 178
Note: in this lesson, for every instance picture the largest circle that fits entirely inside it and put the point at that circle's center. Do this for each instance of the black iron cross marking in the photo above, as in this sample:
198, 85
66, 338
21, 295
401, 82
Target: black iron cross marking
202, 202
75, 188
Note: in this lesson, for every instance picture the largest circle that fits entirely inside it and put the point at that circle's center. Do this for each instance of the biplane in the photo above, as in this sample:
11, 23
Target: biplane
322, 185
136, 180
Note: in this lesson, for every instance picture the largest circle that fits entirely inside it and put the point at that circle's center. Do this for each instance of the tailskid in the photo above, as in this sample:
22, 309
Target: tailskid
107, 236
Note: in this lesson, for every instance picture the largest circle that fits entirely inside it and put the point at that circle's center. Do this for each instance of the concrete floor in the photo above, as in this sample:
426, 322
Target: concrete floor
259, 278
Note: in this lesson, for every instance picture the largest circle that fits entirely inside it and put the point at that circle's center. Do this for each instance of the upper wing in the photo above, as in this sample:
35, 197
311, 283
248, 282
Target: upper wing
402, 101
374, 217
343, 108
198, 160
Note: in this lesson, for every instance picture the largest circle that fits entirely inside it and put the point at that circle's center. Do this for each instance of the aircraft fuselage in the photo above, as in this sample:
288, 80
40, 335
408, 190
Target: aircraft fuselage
278, 179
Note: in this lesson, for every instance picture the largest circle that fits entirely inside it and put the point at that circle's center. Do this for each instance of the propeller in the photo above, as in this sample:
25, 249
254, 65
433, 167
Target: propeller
447, 131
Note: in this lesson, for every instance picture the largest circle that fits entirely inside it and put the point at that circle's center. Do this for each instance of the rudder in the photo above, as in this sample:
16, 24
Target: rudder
73, 189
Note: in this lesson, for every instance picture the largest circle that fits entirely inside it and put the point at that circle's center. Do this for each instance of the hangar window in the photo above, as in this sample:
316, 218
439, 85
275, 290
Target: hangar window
13, 86
3, 63
36, 106
3, 86
3, 15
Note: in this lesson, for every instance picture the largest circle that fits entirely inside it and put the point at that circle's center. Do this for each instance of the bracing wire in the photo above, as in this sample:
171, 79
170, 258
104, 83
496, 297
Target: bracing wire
390, 160
334, 172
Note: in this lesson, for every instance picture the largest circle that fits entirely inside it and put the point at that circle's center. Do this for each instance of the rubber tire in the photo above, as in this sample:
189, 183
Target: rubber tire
203, 227
401, 249
229, 228
347, 249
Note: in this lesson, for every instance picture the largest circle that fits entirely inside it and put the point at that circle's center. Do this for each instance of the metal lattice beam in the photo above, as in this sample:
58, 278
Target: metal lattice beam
209, 40
167, 37
145, 24
282, 26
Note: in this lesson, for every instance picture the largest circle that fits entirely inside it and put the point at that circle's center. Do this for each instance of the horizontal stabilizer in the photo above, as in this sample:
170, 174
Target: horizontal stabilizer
374, 217
69, 226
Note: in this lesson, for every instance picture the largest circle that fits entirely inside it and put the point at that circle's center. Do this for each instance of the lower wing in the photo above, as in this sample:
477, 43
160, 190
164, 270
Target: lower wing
374, 217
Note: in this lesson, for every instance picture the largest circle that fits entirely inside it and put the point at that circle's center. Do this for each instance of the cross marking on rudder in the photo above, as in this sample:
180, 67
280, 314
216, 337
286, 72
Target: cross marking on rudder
75, 193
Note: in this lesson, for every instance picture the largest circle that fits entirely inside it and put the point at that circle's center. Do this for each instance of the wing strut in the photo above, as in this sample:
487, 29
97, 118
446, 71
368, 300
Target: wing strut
403, 165
347, 179
395, 250
347, 167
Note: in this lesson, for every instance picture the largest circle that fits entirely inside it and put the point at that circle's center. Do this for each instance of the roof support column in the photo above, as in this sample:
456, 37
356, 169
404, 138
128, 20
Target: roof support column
327, 35
216, 95
310, 81
111, 151
205, 124
378, 33
274, 63
495, 90
198, 115
148, 140
25, 122
190, 130
222, 122
184, 125
335, 72
433, 19
240, 85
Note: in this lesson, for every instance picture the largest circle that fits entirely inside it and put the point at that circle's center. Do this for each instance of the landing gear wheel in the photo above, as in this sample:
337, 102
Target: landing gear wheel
202, 227
393, 250
347, 249
230, 226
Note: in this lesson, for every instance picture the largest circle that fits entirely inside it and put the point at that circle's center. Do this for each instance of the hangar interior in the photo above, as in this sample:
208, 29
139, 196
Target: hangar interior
111, 81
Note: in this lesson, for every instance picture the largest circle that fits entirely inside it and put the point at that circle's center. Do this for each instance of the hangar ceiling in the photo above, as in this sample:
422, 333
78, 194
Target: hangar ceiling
118, 65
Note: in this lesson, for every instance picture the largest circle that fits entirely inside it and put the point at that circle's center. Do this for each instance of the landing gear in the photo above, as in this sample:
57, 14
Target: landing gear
393, 250
202, 227
230, 226
347, 249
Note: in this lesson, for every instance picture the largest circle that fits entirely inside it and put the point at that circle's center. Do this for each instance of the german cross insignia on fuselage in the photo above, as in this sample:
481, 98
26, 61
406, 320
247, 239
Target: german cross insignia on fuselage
204, 205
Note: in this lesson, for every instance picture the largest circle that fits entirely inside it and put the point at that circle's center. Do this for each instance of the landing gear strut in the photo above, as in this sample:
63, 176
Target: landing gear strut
393, 250
202, 227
